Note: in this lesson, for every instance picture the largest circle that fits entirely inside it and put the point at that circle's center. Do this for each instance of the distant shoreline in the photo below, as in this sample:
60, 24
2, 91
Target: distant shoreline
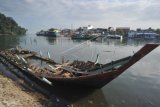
10, 27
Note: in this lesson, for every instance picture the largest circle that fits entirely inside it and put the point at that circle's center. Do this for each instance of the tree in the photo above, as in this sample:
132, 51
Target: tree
9, 26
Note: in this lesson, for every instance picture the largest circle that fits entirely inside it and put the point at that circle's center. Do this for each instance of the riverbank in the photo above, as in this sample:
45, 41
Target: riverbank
13, 94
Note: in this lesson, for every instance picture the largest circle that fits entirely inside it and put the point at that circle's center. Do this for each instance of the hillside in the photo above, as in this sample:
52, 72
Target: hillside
9, 26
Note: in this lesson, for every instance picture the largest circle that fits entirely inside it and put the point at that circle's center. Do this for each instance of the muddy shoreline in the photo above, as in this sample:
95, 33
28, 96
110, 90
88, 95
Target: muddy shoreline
14, 95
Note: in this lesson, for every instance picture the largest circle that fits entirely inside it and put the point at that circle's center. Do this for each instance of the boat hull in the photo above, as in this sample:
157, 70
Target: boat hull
92, 79
47, 33
52, 34
101, 79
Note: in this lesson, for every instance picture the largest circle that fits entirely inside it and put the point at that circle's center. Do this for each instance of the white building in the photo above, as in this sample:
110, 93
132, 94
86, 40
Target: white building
90, 27
147, 35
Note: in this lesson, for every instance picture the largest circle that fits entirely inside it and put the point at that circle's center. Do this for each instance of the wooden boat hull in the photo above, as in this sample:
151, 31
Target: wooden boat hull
101, 79
92, 80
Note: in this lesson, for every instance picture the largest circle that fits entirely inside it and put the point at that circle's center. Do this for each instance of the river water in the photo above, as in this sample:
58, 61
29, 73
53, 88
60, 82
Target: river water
139, 86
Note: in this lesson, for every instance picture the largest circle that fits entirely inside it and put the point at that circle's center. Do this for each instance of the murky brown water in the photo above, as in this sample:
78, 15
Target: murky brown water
139, 86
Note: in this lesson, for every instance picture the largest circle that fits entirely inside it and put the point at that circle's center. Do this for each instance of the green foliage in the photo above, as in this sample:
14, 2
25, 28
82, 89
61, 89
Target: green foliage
9, 26
51, 29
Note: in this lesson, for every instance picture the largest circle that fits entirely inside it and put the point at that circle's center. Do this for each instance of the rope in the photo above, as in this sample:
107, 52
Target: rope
87, 42
64, 52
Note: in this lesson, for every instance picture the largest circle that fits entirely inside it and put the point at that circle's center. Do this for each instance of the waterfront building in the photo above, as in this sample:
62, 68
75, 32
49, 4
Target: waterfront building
143, 34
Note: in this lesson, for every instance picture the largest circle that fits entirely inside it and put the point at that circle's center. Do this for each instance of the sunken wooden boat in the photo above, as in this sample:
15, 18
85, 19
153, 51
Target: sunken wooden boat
71, 74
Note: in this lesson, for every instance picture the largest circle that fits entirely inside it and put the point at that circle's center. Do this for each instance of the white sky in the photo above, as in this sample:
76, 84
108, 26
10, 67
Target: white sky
43, 14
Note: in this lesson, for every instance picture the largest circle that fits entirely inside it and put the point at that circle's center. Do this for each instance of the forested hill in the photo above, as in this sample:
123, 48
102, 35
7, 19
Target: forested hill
9, 26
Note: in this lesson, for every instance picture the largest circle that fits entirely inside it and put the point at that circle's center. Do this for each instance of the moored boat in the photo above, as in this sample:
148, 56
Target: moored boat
71, 74
41, 33
81, 36
51, 32
115, 36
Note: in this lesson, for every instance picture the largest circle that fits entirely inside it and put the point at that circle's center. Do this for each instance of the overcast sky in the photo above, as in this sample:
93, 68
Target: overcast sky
43, 14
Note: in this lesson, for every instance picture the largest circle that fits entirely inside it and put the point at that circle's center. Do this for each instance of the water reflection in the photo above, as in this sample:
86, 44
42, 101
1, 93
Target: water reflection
51, 40
7, 42
81, 97
139, 83
125, 41
78, 40
137, 42
95, 99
